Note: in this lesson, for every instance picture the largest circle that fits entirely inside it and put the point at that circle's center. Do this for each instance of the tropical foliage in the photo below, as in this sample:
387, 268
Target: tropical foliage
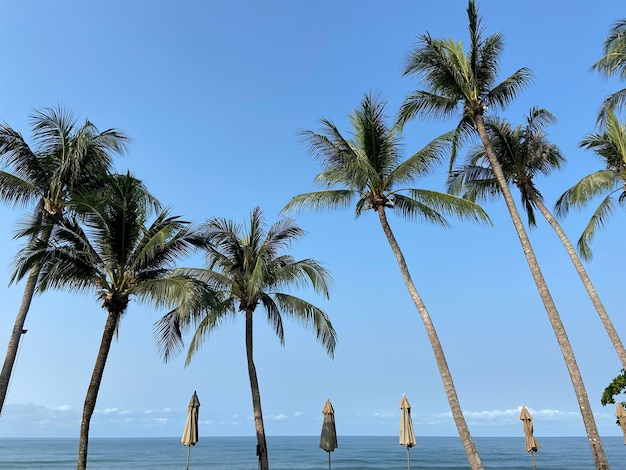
247, 268
610, 146
455, 79
524, 152
64, 159
111, 249
369, 172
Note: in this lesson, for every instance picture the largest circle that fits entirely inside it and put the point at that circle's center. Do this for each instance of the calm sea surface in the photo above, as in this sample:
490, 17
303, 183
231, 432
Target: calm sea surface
303, 453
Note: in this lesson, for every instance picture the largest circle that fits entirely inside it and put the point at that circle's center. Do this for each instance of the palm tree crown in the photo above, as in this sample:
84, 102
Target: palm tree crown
523, 152
369, 170
247, 268
64, 160
610, 146
109, 248
612, 63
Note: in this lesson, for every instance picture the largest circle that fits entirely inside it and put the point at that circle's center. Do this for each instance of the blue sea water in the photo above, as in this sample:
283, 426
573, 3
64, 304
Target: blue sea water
303, 453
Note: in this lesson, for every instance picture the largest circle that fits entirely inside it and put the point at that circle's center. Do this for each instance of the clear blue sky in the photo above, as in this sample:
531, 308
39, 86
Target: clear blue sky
213, 94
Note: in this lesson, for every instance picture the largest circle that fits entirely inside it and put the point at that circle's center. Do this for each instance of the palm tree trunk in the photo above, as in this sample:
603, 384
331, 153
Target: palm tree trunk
582, 273
444, 370
18, 327
256, 399
597, 450
94, 387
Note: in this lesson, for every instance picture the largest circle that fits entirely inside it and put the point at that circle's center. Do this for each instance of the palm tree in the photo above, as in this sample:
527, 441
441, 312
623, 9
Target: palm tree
524, 152
369, 169
613, 62
247, 268
455, 79
610, 146
64, 159
110, 249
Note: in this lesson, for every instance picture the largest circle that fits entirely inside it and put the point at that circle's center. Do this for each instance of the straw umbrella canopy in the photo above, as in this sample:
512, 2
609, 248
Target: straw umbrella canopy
620, 413
531, 443
328, 438
407, 434
190, 433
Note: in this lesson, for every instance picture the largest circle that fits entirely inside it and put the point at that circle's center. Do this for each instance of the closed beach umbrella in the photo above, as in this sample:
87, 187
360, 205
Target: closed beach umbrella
328, 439
407, 435
620, 413
190, 434
531, 444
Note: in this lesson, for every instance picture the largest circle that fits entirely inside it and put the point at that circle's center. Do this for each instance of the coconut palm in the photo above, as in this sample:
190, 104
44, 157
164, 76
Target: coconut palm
523, 153
248, 268
612, 63
610, 146
64, 159
368, 170
111, 250
455, 79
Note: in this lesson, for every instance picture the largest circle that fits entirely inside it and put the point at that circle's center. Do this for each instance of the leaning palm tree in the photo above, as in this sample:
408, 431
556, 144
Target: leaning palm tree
524, 152
612, 63
247, 268
453, 79
64, 159
610, 146
109, 248
369, 170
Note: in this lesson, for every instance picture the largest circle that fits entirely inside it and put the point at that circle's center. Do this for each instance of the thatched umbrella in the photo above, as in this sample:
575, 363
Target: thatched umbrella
407, 434
328, 438
531, 443
190, 433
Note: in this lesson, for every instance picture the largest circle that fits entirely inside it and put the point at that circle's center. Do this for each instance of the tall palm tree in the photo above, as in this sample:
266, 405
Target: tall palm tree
613, 62
247, 268
524, 152
369, 170
455, 79
64, 159
610, 146
110, 249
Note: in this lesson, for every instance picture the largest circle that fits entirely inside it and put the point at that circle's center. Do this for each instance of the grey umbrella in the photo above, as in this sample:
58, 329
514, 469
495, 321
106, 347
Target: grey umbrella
531, 443
190, 433
328, 438
407, 434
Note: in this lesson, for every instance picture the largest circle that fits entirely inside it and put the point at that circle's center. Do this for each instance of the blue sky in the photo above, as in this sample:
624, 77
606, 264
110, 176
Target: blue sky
213, 95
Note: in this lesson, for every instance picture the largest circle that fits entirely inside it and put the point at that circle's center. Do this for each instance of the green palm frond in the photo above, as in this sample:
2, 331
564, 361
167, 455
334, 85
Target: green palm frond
598, 220
589, 187
321, 200
311, 317
614, 59
449, 204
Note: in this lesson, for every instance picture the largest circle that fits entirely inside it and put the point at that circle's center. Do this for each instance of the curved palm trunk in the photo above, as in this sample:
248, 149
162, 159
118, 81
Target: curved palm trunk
591, 291
597, 450
18, 327
256, 399
94, 387
444, 370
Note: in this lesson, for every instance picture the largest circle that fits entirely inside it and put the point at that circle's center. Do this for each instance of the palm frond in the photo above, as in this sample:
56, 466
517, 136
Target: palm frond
598, 220
311, 317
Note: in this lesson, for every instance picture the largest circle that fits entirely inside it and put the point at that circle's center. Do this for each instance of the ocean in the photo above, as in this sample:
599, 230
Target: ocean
303, 453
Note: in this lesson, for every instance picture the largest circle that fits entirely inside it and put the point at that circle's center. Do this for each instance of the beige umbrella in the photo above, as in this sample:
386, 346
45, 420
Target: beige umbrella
531, 444
328, 439
620, 413
407, 435
190, 434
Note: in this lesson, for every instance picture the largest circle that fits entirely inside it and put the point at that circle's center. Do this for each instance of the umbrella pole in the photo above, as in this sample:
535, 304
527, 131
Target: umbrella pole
408, 457
328, 460
532, 456
188, 451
